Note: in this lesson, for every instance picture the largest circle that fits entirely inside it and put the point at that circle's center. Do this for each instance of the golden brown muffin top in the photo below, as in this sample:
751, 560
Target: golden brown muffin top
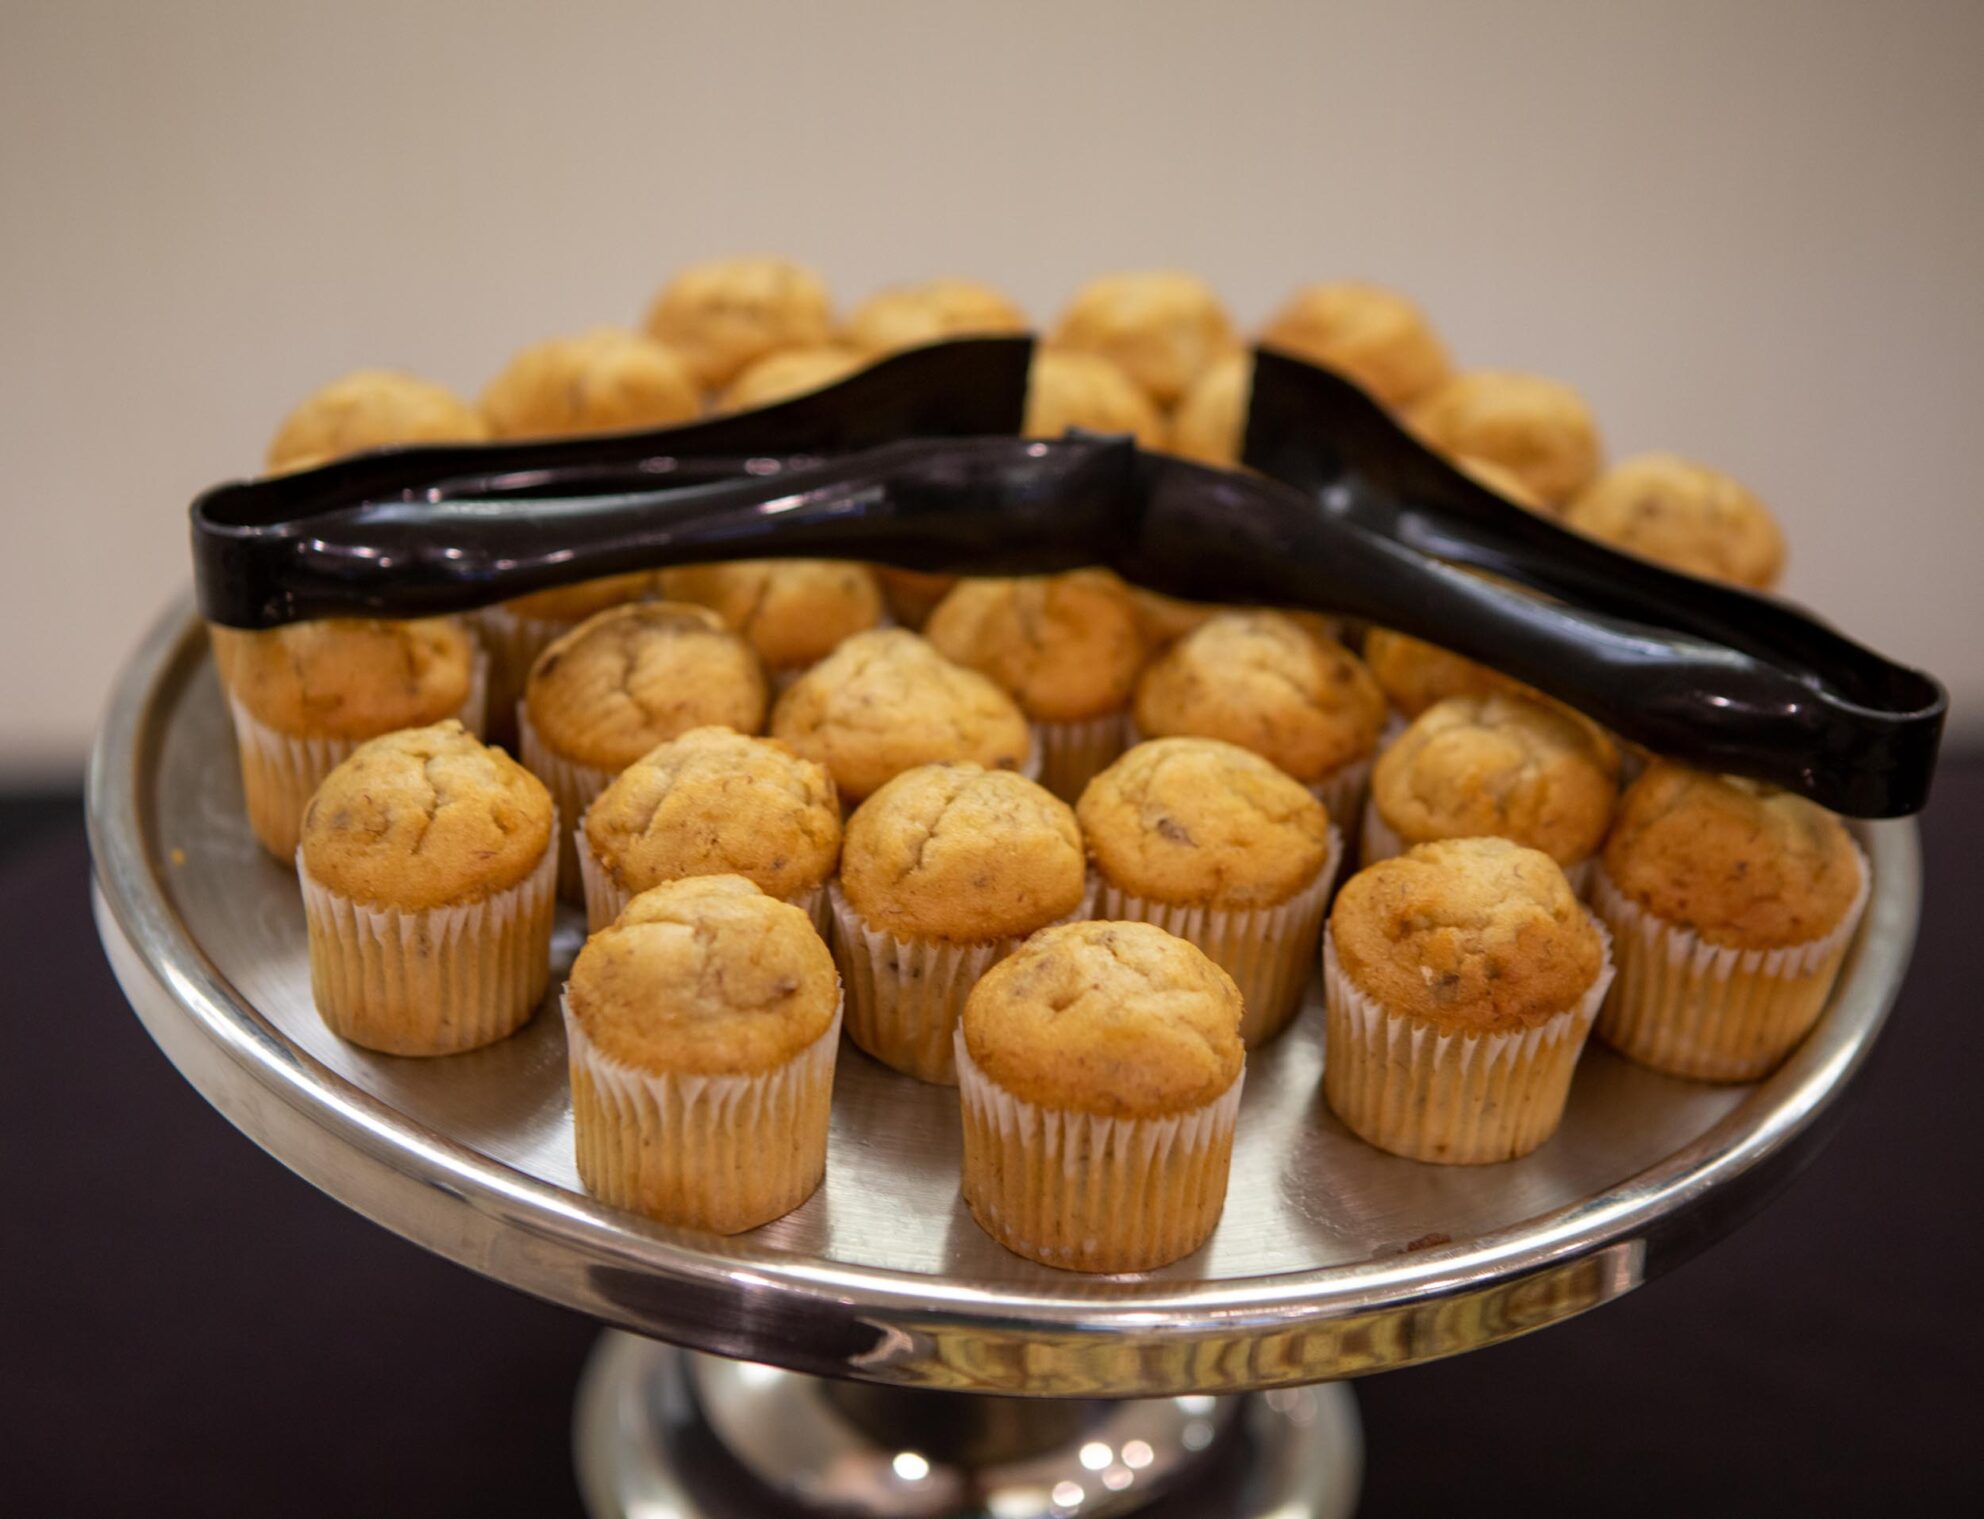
1414, 674
1685, 515
1066, 646
1263, 681
1470, 935
912, 595
1161, 327
423, 818
963, 854
1122, 1020
1366, 332
1199, 822
885, 702
1539, 430
371, 408
571, 605
706, 976
794, 612
790, 372
1501, 766
602, 380
619, 683
347, 677
1741, 863
1066, 388
1210, 424
725, 313
1502, 480
928, 311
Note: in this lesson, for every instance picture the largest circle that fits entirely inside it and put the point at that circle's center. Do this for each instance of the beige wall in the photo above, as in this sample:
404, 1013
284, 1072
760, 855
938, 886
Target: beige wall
1753, 232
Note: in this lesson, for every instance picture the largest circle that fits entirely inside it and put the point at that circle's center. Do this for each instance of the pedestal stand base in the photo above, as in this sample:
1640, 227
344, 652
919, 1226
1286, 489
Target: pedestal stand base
663, 1432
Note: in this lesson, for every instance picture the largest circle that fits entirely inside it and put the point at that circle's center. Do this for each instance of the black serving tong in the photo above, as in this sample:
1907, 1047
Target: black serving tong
914, 463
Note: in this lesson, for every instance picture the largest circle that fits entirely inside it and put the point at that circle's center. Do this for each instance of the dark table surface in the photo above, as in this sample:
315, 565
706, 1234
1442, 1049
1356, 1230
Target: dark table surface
189, 1329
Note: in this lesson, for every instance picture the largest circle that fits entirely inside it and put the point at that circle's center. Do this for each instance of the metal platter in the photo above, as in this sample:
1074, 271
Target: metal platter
1332, 1259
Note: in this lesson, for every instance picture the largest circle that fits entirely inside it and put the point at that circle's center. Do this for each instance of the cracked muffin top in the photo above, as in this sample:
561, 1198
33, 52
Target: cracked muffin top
1067, 389
1122, 1020
704, 977
928, 311
1539, 430
885, 702
1373, 335
1469, 935
1414, 674
725, 313
962, 853
1683, 515
426, 817
716, 802
607, 692
347, 677
794, 612
1161, 327
1200, 822
602, 380
372, 408
1066, 647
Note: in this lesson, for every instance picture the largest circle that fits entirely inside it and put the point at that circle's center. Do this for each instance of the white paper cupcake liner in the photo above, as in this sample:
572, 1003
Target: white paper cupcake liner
1711, 1012
1073, 753
435, 982
606, 898
1270, 952
574, 787
513, 644
1342, 794
1087, 1193
1431, 1094
1378, 840
720, 1153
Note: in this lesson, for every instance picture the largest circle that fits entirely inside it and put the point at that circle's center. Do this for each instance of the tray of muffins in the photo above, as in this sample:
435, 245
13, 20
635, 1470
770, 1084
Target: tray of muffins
1026, 982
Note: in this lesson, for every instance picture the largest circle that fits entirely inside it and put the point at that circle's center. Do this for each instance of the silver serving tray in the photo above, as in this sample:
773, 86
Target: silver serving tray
1332, 1258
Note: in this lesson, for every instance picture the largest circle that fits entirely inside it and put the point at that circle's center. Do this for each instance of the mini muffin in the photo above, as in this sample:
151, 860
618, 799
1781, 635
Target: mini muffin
790, 372
885, 702
1210, 424
794, 612
603, 380
514, 632
1539, 430
1263, 681
1365, 332
1068, 389
427, 867
303, 697
912, 595
1683, 515
1100, 1069
1731, 906
712, 802
1503, 481
1415, 674
371, 408
1500, 766
729, 312
607, 692
1068, 650
945, 870
1161, 327
929, 311
1461, 980
702, 1028
1216, 845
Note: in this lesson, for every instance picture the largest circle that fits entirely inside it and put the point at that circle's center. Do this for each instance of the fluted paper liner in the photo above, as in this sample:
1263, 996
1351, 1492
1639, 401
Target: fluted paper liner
435, 982
513, 644
1427, 1093
1072, 753
1378, 840
574, 787
606, 898
1088, 1193
1342, 794
1710, 1012
721, 1153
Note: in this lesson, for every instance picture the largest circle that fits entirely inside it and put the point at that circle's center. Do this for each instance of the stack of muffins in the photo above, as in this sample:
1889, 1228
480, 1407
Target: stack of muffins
1072, 848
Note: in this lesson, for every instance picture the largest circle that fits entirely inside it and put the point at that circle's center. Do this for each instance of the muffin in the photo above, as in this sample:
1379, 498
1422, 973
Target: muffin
1366, 333
303, 697
1415, 674
702, 1028
1161, 327
929, 311
729, 312
1683, 515
514, 632
712, 802
790, 372
427, 865
1067, 649
885, 702
1099, 1073
912, 595
1263, 681
1503, 481
1500, 766
619, 683
946, 869
604, 380
1460, 981
371, 408
1210, 424
1067, 389
1731, 906
1539, 430
794, 612
1216, 845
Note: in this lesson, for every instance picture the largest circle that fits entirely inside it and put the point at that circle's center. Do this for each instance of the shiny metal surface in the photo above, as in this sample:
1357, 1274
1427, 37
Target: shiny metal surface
1332, 1258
